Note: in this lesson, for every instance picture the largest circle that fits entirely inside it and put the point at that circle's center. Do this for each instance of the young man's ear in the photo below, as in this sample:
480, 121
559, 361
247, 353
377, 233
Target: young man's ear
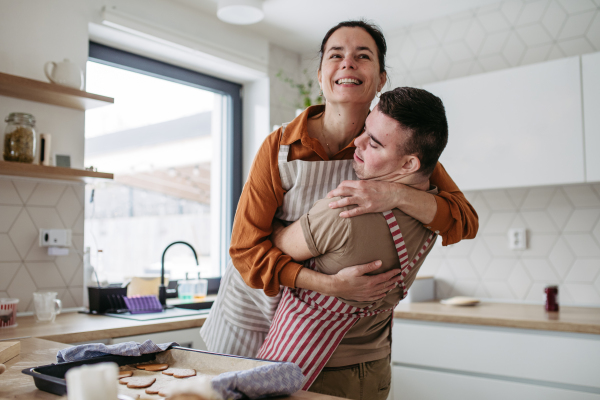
411, 165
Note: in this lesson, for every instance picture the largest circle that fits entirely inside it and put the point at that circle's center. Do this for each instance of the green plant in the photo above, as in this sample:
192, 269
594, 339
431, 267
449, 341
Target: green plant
305, 89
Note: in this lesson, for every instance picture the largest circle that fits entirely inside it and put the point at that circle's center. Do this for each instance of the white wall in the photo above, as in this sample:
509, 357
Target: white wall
33, 32
563, 221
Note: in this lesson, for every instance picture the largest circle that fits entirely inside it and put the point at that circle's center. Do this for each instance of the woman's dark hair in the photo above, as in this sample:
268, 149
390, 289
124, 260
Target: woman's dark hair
371, 29
424, 115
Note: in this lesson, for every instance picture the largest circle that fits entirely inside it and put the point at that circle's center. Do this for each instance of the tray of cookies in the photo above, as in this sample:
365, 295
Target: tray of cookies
148, 376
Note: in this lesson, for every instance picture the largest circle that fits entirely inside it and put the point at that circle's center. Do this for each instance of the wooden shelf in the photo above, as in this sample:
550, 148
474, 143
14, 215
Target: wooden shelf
45, 172
50, 93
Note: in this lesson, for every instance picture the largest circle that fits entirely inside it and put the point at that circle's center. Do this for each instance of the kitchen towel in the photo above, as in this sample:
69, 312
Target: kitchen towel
277, 379
85, 351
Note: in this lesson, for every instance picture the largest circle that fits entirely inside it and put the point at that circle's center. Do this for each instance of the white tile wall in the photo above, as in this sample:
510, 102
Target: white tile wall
502, 35
563, 222
27, 205
564, 250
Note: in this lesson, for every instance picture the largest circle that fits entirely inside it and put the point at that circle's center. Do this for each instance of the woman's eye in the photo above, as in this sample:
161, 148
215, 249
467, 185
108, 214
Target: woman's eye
335, 56
364, 56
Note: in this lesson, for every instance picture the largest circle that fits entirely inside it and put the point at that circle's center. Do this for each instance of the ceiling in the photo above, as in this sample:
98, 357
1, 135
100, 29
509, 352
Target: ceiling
299, 25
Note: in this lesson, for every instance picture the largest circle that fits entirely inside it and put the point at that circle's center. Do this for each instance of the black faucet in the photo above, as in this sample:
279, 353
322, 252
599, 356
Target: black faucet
162, 289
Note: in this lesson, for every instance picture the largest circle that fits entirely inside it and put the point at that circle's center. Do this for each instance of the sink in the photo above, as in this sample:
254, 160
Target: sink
204, 305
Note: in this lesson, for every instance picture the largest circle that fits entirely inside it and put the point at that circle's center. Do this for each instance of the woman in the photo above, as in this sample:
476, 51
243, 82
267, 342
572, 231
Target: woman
299, 164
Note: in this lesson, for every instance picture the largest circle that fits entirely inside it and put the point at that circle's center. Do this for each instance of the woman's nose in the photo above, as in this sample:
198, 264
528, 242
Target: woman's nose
348, 63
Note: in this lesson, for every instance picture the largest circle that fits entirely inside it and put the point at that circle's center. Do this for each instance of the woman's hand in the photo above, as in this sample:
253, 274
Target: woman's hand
378, 196
352, 284
370, 196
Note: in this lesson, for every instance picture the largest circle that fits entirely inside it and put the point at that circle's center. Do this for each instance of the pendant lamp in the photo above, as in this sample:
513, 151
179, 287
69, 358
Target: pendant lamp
240, 12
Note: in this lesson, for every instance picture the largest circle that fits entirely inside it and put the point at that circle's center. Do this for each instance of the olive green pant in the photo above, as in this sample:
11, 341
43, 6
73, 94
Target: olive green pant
364, 381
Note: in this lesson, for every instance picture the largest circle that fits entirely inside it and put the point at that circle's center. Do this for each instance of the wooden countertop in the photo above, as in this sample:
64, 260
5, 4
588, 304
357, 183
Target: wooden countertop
524, 316
75, 327
35, 352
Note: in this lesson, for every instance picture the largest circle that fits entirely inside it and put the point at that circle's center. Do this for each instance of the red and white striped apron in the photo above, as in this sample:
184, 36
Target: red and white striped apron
309, 326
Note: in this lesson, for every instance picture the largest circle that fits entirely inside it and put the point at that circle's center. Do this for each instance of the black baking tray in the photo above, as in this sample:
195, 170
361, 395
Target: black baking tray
51, 378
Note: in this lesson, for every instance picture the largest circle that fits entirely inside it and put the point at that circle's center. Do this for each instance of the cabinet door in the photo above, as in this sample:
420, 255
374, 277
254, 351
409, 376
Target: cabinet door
591, 114
422, 384
516, 127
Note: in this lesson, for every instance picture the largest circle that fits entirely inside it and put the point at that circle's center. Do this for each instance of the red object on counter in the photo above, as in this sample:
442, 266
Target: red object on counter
551, 298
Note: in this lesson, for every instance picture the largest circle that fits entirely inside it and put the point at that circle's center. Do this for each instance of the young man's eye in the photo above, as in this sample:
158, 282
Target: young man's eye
371, 143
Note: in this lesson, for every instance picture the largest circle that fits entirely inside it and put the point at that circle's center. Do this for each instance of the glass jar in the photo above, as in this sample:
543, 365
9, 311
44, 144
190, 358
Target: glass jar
19, 138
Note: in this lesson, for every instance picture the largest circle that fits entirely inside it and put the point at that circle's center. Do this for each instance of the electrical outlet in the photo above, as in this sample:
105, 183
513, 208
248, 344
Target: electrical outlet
517, 239
55, 237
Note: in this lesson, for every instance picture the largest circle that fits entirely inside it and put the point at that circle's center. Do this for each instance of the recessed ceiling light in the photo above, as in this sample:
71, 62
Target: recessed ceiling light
240, 12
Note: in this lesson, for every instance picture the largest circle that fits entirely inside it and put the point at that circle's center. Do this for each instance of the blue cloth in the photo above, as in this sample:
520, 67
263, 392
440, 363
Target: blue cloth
85, 351
276, 379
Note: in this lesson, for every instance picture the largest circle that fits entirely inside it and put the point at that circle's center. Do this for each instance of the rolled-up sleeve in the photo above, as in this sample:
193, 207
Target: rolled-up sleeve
455, 219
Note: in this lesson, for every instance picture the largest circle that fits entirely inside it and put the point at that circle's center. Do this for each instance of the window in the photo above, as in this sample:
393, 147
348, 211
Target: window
173, 141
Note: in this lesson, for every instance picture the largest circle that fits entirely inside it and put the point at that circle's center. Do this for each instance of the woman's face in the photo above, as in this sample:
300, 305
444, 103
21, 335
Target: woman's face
349, 71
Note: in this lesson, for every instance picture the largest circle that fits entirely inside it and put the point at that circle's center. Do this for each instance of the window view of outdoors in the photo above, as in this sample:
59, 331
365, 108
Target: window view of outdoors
161, 141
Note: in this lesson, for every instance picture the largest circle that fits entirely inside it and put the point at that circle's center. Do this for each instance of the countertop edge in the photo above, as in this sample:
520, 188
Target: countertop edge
556, 326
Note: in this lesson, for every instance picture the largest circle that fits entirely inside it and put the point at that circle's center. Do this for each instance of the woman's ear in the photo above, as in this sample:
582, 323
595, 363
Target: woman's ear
383, 80
319, 79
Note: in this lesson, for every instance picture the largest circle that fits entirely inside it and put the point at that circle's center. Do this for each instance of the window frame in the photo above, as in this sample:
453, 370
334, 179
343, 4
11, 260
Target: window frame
233, 131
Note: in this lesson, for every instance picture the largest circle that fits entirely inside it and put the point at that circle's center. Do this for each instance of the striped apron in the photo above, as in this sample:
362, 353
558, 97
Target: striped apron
309, 326
241, 316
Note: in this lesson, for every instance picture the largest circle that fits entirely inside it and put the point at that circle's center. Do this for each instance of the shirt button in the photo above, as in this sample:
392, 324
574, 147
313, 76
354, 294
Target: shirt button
437, 232
428, 227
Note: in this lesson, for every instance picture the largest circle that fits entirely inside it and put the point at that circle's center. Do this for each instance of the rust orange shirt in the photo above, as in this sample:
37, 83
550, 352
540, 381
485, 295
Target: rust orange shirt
264, 266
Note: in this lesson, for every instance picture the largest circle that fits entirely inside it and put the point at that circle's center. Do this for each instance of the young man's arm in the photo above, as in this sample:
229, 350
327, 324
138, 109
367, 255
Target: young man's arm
291, 241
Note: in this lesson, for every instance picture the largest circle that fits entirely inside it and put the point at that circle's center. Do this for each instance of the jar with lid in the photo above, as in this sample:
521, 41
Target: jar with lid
19, 138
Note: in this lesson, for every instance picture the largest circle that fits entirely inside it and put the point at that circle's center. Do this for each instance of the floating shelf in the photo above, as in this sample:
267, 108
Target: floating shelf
50, 93
46, 172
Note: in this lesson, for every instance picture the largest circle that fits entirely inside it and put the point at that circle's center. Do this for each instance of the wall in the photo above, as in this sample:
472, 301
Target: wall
562, 221
60, 29
27, 205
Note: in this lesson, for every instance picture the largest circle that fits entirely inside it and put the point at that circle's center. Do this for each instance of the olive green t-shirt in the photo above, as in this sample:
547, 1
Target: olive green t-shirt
338, 243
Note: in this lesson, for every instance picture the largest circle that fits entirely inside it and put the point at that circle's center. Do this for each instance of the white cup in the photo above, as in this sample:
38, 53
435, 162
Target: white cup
46, 306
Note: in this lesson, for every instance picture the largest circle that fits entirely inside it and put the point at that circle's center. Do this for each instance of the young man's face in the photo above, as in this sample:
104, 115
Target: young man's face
377, 156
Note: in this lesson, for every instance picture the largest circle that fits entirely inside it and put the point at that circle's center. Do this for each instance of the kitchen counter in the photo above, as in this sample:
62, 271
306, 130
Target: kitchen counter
75, 327
524, 316
35, 352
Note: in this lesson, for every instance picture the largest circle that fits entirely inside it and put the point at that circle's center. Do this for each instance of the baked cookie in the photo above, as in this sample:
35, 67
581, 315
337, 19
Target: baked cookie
137, 382
125, 374
152, 367
180, 372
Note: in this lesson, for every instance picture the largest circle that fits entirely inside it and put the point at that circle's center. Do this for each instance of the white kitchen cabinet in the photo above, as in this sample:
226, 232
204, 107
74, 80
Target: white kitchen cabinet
478, 362
185, 337
590, 67
515, 127
424, 384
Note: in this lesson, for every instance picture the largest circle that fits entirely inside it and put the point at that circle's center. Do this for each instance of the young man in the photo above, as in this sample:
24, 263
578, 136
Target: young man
343, 346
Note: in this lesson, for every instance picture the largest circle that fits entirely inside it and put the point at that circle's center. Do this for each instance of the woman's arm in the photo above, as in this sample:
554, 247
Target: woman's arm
447, 213
260, 263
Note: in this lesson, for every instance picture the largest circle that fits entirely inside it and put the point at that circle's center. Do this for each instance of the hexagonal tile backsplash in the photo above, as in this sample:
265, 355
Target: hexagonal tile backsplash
26, 206
563, 235
501, 35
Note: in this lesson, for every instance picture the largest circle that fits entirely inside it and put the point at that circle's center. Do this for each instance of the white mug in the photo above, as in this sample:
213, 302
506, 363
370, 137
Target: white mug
46, 306
65, 73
